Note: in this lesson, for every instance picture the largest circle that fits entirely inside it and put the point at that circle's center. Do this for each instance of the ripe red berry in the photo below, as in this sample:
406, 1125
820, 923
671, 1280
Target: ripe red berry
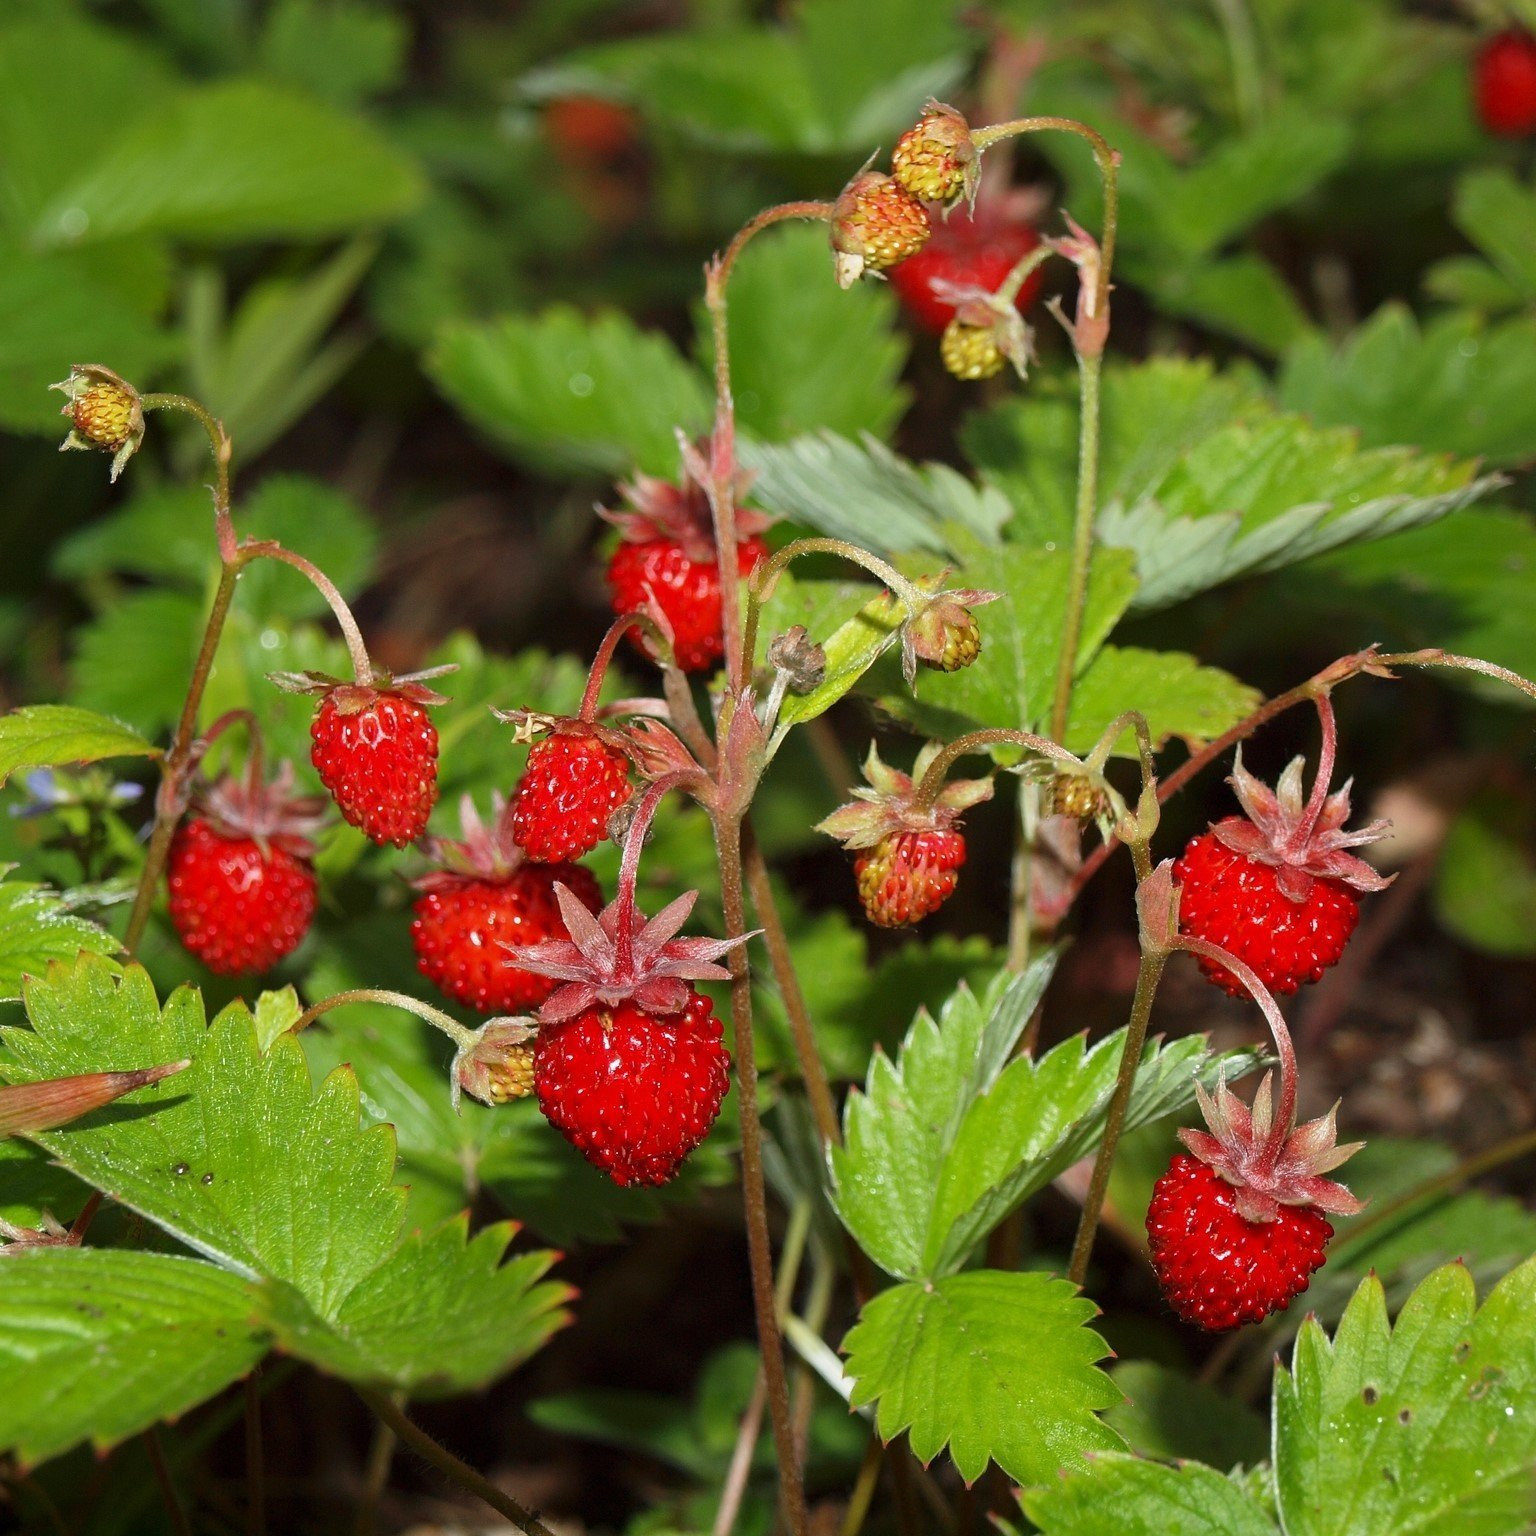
1236, 903
634, 1092
1218, 1269
1504, 83
238, 906
463, 926
376, 752
588, 128
908, 876
966, 251
573, 784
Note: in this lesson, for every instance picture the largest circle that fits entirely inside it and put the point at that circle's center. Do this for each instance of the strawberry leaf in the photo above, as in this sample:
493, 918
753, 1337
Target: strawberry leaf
36, 928
995, 1366
49, 735
1426, 1428
97, 1344
1148, 1499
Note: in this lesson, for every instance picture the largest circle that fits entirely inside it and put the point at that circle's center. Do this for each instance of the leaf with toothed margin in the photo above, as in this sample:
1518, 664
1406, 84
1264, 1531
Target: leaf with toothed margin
1127, 1496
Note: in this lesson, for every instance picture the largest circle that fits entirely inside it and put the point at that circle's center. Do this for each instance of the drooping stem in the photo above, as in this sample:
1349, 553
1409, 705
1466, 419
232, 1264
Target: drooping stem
932, 782
754, 1189
267, 549
781, 958
1435, 657
461, 1036
173, 773
721, 484
173, 1506
387, 1411
1008, 291
375, 1478
1021, 880
1148, 975
223, 450
598, 672
760, 587
629, 861
1325, 760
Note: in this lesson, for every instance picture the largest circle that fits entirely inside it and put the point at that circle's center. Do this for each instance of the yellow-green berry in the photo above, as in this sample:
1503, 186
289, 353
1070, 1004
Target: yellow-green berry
971, 351
935, 159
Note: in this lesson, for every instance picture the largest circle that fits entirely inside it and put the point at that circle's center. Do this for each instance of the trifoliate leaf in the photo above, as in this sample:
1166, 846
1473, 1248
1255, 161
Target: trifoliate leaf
50, 735
1119, 1495
1425, 1428
97, 1344
996, 1366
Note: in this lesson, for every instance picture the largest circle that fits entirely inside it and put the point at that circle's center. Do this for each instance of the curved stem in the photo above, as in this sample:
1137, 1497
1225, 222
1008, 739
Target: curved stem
781, 958
177, 761
388, 1412
1325, 761
222, 448
721, 484
1285, 1110
760, 587
598, 672
1434, 657
458, 1033
1089, 367
1009, 291
929, 789
754, 1189
173, 1506
268, 549
1148, 975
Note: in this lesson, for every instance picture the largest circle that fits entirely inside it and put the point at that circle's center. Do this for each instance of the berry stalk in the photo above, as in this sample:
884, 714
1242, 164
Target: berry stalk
461, 1036
932, 782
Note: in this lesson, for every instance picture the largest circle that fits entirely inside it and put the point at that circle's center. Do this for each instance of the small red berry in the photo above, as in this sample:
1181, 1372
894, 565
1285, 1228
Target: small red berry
573, 784
634, 1092
1236, 903
966, 252
1504, 83
376, 752
463, 926
1217, 1269
908, 876
588, 128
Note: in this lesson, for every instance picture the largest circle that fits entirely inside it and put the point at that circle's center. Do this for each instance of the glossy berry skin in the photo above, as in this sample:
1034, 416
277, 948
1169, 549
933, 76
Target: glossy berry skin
1236, 903
1504, 84
238, 907
978, 252
632, 1092
461, 927
687, 590
1216, 1268
379, 764
907, 876
572, 786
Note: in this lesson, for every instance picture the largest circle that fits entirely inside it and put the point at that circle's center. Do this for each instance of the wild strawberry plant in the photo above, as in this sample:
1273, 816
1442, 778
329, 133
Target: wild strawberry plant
287, 1163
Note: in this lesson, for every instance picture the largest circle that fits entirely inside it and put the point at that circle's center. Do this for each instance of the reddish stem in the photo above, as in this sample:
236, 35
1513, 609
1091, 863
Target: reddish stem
268, 549
629, 864
1325, 761
598, 674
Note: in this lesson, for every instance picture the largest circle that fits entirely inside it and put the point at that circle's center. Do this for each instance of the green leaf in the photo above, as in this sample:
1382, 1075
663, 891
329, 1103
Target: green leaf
1456, 384
36, 928
950, 1137
866, 494
1427, 1428
805, 355
1241, 295
50, 735
1499, 216
339, 49
135, 658
851, 650
996, 1366
1170, 1415
1177, 695
442, 1315
1485, 881
570, 394
1013, 680
234, 161
1119, 1495
98, 1344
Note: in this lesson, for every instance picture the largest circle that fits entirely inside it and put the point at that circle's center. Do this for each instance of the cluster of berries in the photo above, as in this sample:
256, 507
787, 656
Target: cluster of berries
956, 275
1504, 83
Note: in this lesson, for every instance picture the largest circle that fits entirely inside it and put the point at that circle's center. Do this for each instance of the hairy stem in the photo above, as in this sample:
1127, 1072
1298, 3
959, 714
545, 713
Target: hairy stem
381, 1455
388, 1412
177, 762
220, 445
754, 1190
1438, 658
463, 1037
781, 958
1089, 368
173, 1506
932, 784
267, 549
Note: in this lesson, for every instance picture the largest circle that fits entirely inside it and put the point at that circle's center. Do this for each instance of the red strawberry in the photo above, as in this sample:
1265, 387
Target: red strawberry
628, 1064
906, 853
667, 552
1276, 888
1217, 1269
376, 751
484, 901
968, 252
634, 1092
1504, 83
573, 784
1237, 1227
588, 128
242, 890
908, 876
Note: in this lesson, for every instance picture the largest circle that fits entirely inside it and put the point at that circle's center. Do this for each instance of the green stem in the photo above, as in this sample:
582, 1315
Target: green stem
221, 446
268, 549
173, 1505
1148, 976
976, 741
388, 1412
461, 1036
1089, 368
754, 1189
177, 761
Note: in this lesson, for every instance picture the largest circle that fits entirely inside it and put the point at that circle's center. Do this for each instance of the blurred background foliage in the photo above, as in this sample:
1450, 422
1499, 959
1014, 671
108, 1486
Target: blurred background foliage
438, 266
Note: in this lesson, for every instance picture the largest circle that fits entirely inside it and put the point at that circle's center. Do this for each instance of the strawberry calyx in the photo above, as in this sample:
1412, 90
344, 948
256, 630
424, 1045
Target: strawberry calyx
890, 805
351, 698
487, 850
680, 511
268, 812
